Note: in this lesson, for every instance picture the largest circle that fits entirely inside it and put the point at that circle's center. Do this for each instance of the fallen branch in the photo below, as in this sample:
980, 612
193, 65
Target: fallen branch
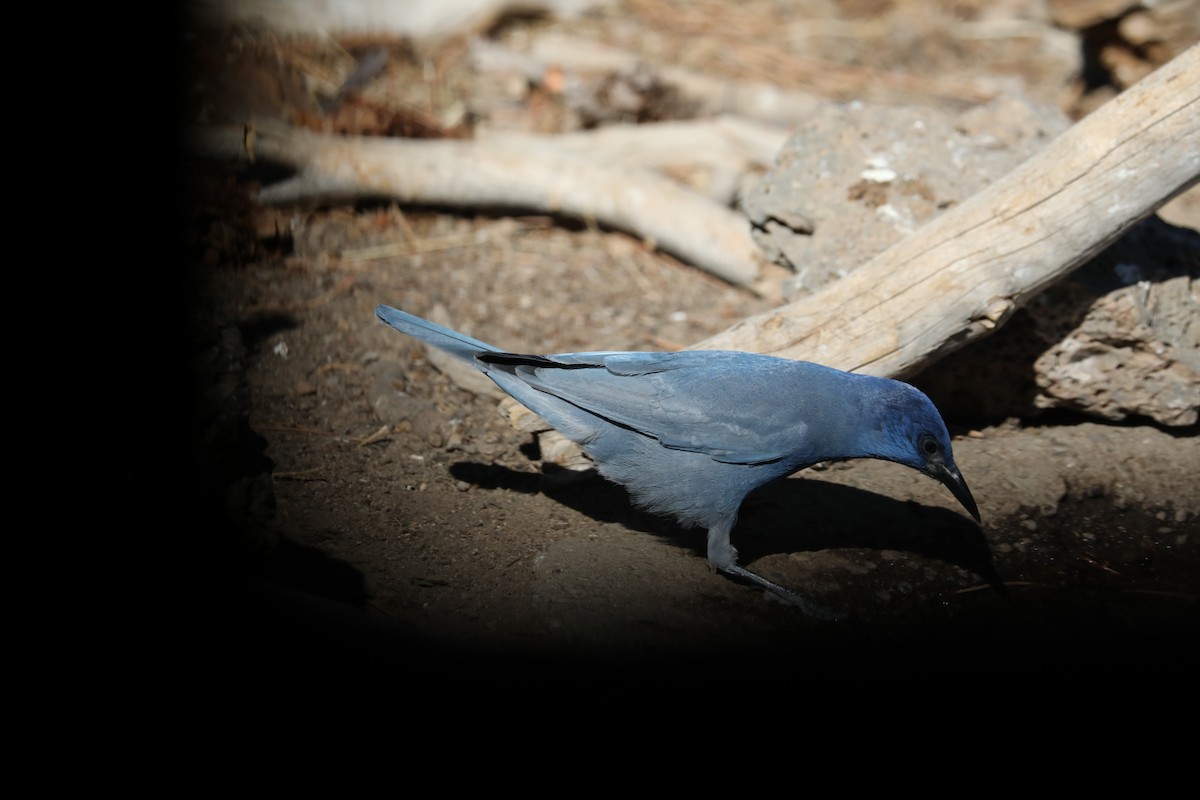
425, 19
745, 99
724, 149
758, 100
962, 275
525, 172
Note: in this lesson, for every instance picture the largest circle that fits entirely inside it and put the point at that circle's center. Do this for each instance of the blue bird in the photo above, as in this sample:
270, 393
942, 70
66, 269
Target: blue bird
689, 434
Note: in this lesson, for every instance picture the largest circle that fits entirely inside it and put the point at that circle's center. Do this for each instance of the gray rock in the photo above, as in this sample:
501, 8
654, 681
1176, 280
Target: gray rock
857, 178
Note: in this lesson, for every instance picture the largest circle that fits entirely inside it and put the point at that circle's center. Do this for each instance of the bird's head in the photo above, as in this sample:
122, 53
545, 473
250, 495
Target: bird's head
914, 434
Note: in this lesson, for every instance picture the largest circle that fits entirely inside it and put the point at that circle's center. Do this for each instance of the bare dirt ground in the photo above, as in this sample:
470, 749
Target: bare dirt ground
369, 511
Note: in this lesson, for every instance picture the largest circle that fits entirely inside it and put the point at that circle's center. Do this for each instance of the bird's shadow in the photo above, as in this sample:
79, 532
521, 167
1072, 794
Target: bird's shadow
797, 514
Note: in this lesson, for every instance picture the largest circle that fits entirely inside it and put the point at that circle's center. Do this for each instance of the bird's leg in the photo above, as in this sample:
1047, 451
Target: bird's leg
723, 556
721, 552
787, 595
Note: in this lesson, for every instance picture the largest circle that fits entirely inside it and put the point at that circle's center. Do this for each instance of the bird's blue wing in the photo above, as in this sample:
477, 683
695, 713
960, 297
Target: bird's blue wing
739, 408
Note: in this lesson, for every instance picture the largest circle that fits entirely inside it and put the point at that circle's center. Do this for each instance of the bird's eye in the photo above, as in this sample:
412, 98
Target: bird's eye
929, 446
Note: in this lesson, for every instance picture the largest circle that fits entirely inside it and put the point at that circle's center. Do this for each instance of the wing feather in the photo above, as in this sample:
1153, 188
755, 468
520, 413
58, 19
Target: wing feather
739, 408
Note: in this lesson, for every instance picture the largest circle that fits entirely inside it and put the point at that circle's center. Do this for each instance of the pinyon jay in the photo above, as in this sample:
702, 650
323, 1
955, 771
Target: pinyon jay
689, 434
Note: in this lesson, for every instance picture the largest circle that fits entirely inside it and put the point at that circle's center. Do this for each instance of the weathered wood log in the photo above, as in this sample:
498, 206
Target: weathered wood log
962, 275
521, 172
719, 147
746, 100
419, 19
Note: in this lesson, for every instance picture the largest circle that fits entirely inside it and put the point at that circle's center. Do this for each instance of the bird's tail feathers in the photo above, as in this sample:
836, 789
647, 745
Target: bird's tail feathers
457, 344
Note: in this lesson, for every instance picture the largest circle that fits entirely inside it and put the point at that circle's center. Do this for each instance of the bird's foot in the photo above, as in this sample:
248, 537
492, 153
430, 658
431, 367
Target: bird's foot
787, 595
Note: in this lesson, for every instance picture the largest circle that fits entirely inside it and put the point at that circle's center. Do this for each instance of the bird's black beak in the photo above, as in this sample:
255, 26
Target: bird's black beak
958, 487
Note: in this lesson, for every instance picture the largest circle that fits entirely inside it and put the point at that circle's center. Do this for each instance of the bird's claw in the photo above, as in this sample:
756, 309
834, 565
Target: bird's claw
787, 595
